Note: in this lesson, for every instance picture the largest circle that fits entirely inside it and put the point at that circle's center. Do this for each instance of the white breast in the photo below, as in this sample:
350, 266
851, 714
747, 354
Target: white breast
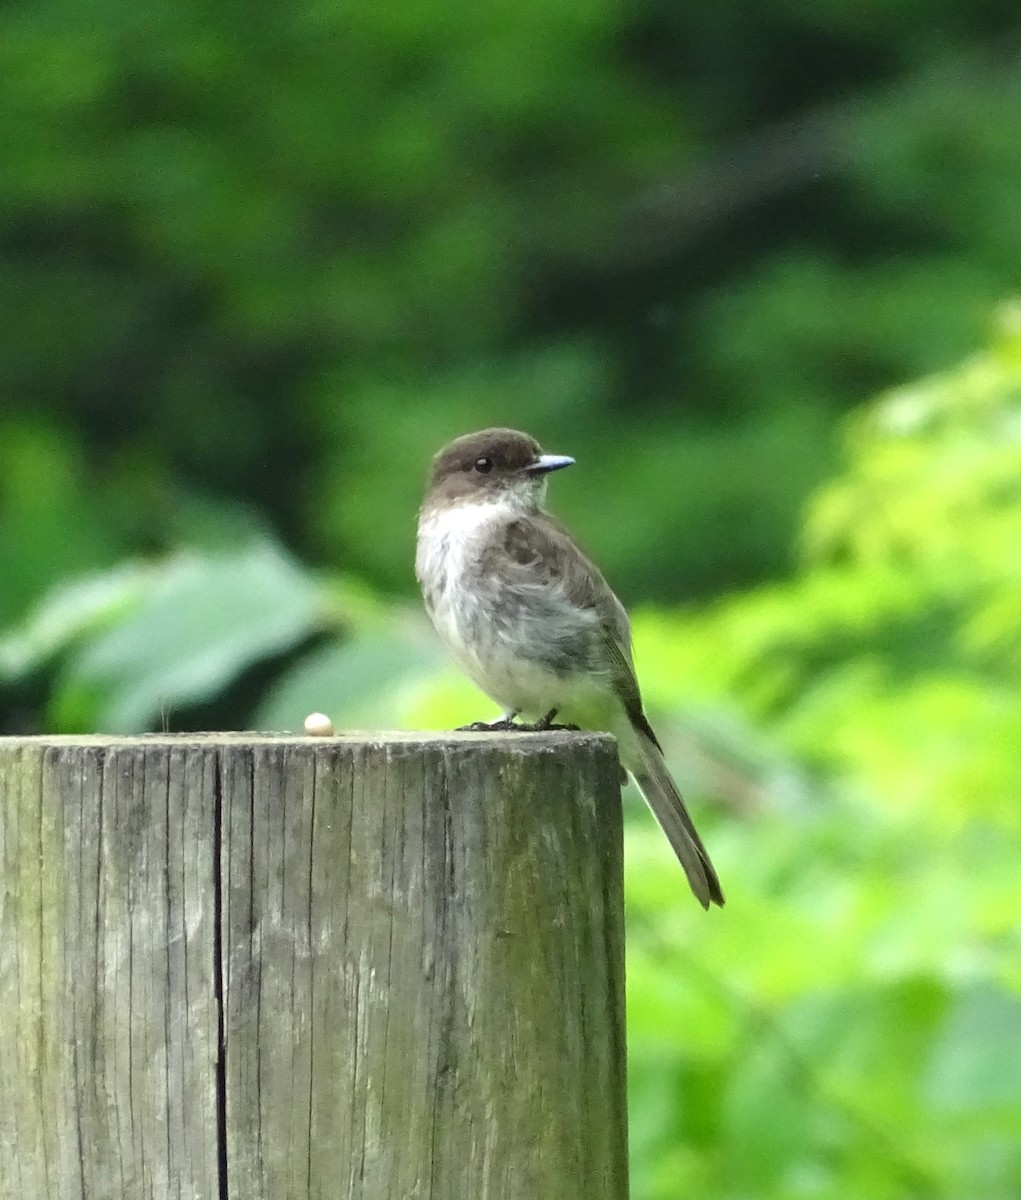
450, 545
460, 601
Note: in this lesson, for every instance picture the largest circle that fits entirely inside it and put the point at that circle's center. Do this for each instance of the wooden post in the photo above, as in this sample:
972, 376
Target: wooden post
242, 967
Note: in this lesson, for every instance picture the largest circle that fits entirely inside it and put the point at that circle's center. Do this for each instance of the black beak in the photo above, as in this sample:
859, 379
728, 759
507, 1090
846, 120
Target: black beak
549, 462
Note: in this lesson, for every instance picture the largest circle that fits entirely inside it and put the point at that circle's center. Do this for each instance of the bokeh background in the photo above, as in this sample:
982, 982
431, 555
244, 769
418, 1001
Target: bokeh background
755, 268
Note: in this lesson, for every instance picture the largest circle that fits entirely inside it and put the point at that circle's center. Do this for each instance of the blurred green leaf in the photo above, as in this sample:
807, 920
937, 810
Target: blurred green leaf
53, 524
975, 1067
71, 611
355, 682
205, 620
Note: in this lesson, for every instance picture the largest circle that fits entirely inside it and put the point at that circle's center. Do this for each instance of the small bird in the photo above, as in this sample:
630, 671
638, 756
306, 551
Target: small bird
532, 621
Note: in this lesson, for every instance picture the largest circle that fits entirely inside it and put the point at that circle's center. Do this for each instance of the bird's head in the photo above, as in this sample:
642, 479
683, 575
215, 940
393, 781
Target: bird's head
492, 466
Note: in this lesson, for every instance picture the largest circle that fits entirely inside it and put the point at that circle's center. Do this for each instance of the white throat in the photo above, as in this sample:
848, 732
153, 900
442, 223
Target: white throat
460, 521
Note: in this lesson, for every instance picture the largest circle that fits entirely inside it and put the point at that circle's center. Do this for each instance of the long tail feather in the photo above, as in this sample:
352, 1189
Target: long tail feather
662, 796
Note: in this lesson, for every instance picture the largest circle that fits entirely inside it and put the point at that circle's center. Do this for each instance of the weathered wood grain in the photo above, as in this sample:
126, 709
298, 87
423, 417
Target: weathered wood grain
106, 968
369, 968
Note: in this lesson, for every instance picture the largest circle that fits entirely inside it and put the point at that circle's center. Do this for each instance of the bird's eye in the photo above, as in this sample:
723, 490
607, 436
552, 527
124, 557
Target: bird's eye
483, 465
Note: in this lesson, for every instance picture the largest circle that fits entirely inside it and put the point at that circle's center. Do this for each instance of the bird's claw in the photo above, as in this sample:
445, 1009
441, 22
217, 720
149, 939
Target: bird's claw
515, 727
545, 723
508, 725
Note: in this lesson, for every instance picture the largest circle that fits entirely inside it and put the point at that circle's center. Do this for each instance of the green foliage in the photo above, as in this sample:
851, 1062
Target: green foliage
852, 1022
261, 257
142, 642
44, 493
198, 625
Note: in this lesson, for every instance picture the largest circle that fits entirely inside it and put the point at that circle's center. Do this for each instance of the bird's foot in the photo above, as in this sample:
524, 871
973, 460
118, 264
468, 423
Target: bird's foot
507, 724
504, 725
546, 725
539, 727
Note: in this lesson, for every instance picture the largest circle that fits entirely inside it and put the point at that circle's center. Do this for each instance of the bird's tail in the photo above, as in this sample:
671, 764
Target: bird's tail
662, 796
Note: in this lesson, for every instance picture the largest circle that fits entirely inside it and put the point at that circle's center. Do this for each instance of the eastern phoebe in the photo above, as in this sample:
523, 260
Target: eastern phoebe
533, 622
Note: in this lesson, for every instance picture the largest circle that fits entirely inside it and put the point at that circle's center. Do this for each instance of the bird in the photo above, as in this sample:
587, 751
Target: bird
532, 621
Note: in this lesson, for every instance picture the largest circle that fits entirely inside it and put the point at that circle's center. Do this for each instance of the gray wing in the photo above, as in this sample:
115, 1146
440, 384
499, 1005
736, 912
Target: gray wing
543, 561
541, 558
